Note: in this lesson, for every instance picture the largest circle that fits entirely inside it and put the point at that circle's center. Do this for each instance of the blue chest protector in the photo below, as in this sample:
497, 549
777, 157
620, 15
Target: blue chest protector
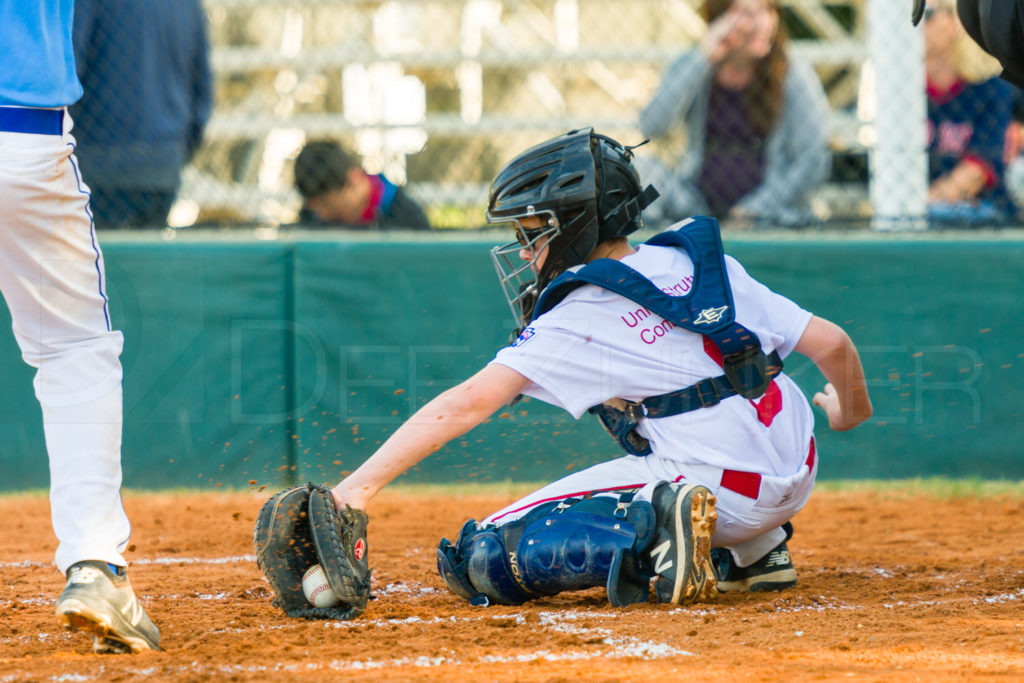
707, 310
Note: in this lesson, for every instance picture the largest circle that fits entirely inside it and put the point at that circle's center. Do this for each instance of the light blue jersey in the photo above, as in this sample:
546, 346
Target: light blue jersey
37, 61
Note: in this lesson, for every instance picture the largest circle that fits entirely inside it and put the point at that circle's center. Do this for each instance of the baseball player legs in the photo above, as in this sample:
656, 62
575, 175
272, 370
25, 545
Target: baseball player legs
52, 279
749, 551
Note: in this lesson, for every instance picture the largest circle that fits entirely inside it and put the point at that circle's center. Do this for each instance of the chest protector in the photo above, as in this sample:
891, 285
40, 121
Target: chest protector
707, 310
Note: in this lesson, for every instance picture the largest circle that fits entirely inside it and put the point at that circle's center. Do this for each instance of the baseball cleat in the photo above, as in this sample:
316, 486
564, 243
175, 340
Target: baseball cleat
99, 600
681, 554
773, 572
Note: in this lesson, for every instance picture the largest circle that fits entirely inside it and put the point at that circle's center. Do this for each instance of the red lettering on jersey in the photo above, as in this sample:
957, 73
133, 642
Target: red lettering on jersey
769, 405
635, 317
680, 288
953, 138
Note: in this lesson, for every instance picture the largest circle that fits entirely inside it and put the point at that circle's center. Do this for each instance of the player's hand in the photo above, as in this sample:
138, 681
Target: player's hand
943, 190
828, 400
345, 496
724, 35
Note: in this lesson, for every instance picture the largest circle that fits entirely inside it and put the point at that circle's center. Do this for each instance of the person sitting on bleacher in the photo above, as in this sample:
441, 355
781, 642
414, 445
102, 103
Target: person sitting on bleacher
337, 192
754, 117
1014, 156
967, 127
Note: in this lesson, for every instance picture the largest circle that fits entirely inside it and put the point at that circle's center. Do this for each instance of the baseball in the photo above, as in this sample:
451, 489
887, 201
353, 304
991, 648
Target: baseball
316, 589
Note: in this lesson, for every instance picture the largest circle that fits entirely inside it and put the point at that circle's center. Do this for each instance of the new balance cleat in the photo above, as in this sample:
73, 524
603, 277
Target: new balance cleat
681, 553
773, 572
100, 601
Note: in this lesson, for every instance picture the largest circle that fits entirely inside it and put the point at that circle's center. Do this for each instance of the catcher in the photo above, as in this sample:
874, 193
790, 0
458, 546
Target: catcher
673, 346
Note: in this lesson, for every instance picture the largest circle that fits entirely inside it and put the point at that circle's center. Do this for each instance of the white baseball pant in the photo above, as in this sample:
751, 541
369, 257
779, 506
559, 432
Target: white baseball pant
52, 278
751, 507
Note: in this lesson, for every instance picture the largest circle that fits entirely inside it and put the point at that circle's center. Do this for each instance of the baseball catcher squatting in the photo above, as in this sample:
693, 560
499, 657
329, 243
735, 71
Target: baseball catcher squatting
673, 346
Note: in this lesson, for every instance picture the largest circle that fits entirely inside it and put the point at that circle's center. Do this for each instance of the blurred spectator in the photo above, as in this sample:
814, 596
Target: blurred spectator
754, 118
1015, 151
148, 95
998, 27
967, 127
336, 191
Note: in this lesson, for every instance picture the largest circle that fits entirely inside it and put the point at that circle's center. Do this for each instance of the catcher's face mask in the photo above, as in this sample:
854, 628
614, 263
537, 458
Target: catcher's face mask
518, 264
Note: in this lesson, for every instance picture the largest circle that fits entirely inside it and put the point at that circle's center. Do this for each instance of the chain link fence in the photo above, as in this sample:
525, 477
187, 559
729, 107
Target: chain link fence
842, 116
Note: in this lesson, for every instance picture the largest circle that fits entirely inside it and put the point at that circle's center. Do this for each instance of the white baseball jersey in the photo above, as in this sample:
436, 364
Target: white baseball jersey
596, 345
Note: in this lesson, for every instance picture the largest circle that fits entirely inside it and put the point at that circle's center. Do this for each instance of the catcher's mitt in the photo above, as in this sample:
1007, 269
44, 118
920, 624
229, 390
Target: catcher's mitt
300, 527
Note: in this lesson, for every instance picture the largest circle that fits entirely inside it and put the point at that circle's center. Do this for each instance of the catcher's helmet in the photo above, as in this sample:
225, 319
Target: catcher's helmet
586, 187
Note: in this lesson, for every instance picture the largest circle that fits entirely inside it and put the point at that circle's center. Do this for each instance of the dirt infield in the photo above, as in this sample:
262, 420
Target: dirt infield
891, 588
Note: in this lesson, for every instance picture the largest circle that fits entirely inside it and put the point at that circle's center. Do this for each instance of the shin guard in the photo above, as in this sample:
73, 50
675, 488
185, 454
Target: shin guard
567, 546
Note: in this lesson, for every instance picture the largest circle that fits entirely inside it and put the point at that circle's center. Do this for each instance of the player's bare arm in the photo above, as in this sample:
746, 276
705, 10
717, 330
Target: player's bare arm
446, 417
845, 397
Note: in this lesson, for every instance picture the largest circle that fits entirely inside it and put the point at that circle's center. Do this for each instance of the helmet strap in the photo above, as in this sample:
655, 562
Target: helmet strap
629, 211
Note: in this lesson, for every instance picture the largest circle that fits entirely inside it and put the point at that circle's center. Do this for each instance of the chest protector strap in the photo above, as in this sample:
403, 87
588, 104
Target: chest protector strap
707, 310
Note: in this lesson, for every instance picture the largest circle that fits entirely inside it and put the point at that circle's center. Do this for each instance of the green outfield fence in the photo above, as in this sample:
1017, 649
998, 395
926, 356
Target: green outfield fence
287, 359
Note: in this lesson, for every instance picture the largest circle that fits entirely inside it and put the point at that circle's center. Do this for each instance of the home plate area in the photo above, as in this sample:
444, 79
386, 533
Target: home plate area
889, 587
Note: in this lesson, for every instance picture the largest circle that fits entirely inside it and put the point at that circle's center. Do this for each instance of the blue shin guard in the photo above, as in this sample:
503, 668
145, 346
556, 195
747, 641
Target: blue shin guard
571, 545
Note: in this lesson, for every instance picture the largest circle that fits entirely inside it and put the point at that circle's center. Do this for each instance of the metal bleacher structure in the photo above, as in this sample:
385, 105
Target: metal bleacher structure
439, 93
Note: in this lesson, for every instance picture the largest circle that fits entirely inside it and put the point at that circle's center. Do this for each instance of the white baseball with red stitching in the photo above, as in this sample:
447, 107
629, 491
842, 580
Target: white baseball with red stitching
316, 589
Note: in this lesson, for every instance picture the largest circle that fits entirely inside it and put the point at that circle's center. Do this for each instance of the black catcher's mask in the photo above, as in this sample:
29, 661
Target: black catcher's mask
584, 188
